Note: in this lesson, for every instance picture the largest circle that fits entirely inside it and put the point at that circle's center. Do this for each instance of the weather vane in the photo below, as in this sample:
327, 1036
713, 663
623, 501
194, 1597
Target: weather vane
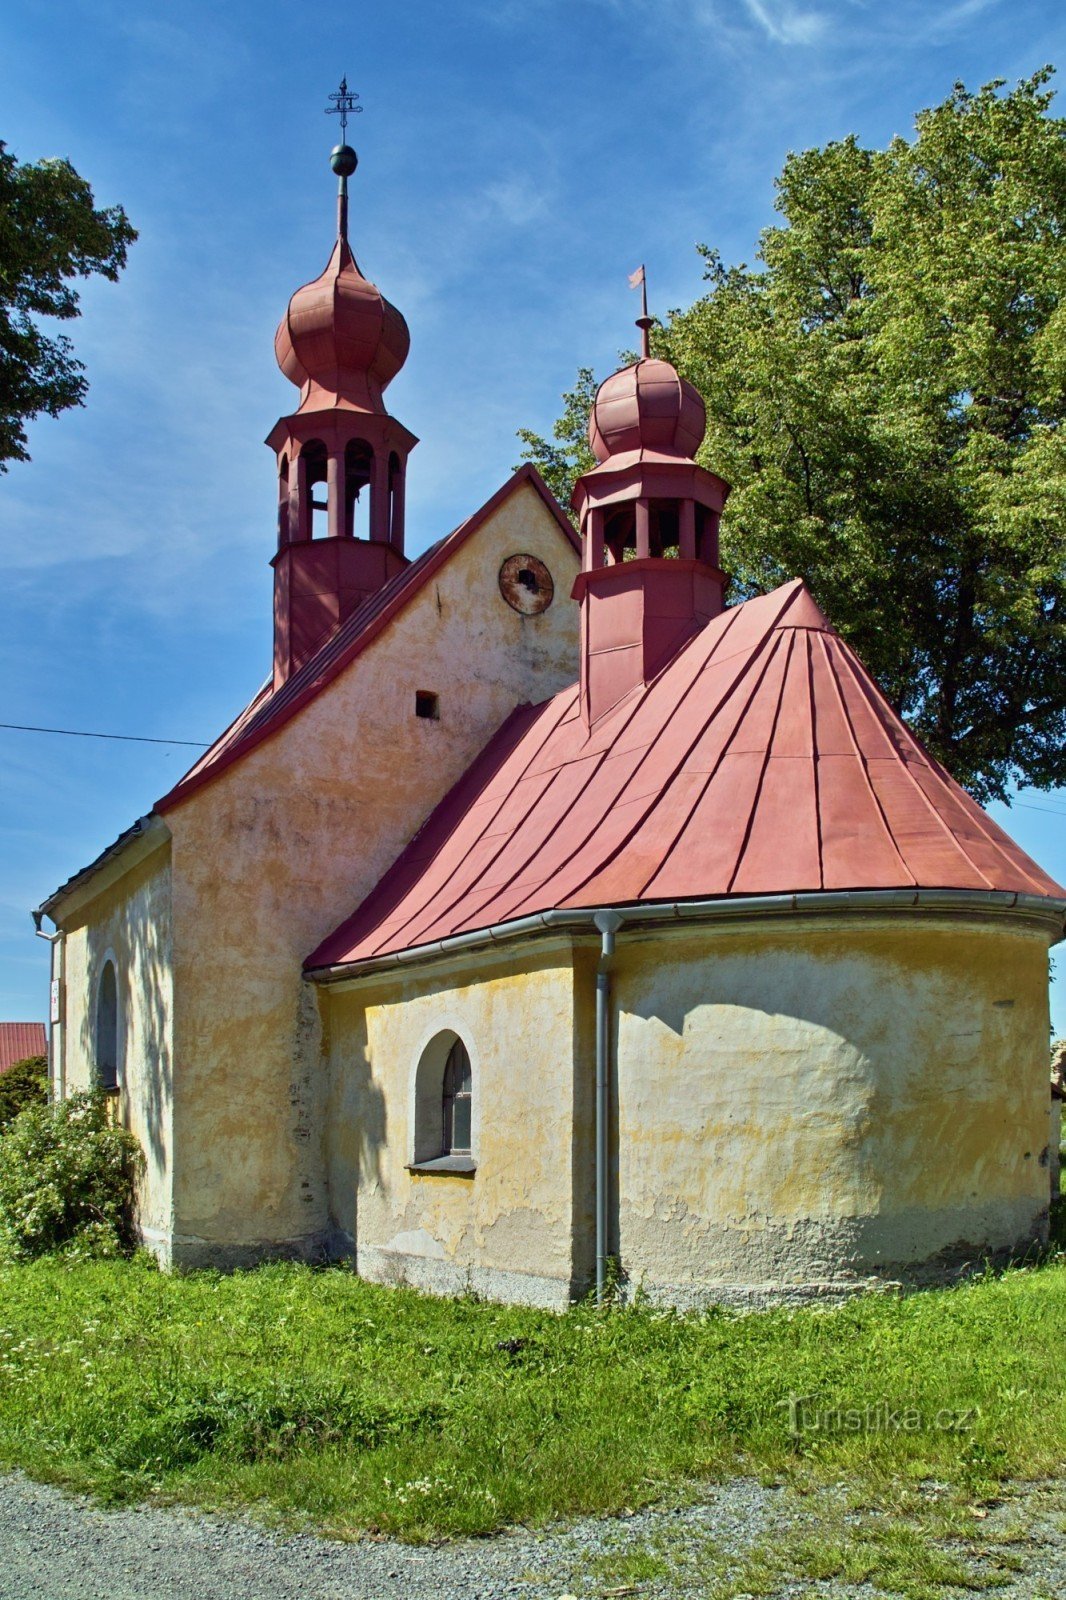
345, 99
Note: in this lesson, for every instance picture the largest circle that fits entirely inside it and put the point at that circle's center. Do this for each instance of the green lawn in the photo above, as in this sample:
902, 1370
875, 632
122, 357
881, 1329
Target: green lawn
317, 1398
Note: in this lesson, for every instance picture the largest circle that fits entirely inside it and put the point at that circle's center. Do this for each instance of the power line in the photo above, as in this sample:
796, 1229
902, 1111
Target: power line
80, 733
1050, 811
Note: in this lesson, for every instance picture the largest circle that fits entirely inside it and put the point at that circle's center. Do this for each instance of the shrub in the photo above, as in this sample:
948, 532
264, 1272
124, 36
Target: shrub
67, 1181
25, 1083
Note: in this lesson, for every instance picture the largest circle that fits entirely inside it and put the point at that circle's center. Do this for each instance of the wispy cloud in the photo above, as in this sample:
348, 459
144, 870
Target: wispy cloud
787, 24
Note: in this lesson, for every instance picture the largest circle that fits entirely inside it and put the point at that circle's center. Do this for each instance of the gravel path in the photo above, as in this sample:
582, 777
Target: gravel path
54, 1546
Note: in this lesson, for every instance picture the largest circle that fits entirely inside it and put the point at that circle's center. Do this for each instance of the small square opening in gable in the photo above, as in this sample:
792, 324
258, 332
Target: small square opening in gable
427, 704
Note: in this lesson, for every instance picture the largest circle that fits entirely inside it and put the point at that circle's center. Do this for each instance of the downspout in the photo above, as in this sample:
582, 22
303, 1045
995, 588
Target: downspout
608, 922
57, 1077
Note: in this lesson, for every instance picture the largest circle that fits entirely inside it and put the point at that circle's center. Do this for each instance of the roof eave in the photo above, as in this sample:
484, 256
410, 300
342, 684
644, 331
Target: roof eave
1049, 913
131, 847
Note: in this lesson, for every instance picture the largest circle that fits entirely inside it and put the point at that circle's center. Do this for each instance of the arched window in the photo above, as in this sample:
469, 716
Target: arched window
444, 1107
456, 1102
107, 1039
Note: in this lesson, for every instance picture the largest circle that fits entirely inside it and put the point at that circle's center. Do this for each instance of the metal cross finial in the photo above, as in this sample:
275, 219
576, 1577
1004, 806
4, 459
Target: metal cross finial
345, 99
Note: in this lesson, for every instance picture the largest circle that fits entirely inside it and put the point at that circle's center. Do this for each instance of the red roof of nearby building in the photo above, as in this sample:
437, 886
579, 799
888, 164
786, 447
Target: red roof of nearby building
762, 760
268, 711
18, 1040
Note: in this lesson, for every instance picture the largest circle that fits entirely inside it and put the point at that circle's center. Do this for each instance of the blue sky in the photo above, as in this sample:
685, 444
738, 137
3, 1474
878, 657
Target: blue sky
517, 160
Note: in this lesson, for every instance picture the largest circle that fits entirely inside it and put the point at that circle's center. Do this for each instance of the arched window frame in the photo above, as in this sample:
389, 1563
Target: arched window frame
444, 1104
108, 1020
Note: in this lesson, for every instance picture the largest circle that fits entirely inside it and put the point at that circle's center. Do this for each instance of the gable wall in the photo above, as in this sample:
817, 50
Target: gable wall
282, 846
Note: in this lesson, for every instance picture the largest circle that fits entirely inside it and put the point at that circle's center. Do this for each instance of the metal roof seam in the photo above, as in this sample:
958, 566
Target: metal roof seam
813, 705
661, 785
859, 678
764, 652
860, 755
754, 807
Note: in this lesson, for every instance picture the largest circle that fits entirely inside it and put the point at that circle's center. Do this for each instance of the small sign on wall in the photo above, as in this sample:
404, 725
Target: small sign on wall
53, 1015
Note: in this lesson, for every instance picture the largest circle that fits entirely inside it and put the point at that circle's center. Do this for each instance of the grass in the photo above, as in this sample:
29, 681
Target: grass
317, 1399
919, 1543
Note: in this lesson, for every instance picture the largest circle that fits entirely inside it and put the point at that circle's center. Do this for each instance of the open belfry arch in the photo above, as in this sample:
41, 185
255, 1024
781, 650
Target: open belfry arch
544, 917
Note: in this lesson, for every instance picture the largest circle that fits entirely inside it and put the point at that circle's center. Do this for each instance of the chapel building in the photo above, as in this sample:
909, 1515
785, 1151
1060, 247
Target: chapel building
545, 917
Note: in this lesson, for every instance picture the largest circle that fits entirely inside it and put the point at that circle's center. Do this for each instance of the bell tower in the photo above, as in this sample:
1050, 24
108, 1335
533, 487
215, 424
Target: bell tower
649, 520
342, 459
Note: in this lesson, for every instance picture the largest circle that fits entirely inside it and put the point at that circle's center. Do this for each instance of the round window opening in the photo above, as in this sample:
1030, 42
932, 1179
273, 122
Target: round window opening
526, 585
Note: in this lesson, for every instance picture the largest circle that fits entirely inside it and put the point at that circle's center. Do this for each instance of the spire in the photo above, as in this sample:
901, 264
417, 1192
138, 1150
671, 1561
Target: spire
342, 458
343, 158
639, 280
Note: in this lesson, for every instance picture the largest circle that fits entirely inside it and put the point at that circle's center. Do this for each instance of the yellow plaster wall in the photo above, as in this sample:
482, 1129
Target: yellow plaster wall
273, 854
838, 1099
508, 1231
794, 1107
131, 922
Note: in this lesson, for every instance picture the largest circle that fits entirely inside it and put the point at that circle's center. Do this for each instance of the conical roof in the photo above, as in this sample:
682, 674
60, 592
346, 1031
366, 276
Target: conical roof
762, 760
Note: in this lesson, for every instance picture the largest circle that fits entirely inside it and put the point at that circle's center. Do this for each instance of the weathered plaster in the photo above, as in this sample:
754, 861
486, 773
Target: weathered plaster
130, 921
797, 1109
506, 1231
275, 852
844, 1101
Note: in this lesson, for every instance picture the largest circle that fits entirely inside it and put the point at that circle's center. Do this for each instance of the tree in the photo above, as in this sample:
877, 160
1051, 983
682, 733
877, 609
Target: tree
886, 392
25, 1083
50, 232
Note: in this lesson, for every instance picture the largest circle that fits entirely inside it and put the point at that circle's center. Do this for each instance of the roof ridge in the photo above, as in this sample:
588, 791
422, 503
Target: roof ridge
878, 703
754, 807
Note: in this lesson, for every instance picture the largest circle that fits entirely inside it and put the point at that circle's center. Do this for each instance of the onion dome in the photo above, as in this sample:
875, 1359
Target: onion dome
340, 340
647, 406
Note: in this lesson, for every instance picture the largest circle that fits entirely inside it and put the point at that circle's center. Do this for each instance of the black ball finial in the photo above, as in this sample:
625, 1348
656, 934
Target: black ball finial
343, 160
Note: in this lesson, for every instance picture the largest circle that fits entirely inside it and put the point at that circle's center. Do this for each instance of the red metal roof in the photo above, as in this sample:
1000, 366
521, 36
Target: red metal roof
762, 760
18, 1040
268, 711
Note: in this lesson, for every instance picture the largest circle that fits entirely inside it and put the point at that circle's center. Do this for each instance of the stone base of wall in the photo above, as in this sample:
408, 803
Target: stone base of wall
183, 1253
441, 1277
948, 1267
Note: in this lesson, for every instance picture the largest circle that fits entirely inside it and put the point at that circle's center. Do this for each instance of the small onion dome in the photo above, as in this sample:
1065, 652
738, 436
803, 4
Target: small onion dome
341, 336
647, 407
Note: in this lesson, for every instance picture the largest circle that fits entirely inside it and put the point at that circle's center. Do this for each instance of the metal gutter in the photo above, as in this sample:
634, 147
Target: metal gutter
960, 902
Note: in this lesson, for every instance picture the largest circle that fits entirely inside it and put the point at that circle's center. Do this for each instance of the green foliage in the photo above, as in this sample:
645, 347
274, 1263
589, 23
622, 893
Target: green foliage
25, 1083
559, 464
886, 392
50, 232
322, 1398
66, 1182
